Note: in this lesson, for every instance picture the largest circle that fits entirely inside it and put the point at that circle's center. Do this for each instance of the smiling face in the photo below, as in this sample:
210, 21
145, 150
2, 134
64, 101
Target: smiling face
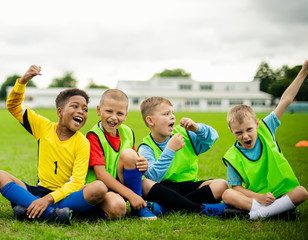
73, 114
161, 122
113, 113
245, 132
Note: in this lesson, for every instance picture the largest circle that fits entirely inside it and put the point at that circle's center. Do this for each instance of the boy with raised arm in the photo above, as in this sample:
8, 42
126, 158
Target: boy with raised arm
63, 158
263, 183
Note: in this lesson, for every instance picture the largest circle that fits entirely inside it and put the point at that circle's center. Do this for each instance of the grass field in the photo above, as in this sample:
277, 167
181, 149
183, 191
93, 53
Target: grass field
18, 151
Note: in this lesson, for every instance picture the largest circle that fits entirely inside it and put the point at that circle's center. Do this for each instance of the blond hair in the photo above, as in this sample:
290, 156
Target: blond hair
239, 113
114, 94
149, 106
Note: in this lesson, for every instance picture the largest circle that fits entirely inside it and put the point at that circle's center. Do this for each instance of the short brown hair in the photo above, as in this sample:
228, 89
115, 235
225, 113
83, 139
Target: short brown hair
114, 94
64, 95
239, 112
148, 106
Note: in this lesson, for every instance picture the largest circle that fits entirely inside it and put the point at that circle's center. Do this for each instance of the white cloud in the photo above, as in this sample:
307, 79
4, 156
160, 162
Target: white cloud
109, 41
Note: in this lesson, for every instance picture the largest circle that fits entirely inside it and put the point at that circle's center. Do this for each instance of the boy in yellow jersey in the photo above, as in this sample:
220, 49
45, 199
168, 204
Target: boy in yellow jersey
114, 159
63, 157
270, 186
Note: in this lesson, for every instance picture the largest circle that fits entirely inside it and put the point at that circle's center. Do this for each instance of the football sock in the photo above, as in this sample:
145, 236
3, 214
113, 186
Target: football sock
171, 200
18, 195
202, 195
255, 205
280, 205
76, 202
133, 180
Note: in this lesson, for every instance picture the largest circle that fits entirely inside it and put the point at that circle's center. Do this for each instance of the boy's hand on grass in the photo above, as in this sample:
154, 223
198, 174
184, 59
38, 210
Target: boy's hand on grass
32, 72
189, 124
267, 199
142, 164
176, 142
38, 206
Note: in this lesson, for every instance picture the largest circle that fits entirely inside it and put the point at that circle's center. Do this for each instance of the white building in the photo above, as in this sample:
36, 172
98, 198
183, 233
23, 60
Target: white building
45, 97
189, 95
184, 93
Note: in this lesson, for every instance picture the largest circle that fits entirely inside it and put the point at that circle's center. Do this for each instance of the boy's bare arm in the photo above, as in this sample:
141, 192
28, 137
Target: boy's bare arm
265, 199
290, 93
32, 72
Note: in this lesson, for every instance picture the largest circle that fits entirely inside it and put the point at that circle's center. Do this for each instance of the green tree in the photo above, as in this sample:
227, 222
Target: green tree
266, 76
92, 84
178, 72
285, 76
10, 81
67, 81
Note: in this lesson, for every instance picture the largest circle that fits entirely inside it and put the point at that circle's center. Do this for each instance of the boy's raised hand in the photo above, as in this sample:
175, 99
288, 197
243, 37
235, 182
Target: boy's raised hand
290, 93
32, 72
176, 142
189, 124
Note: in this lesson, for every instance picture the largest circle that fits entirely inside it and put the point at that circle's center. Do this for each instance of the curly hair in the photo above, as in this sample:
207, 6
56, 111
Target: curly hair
70, 92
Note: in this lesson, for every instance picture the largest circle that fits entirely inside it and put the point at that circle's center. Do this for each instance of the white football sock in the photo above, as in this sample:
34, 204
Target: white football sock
280, 205
255, 205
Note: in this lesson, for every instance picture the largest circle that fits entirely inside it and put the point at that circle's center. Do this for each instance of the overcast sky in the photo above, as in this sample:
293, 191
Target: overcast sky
107, 41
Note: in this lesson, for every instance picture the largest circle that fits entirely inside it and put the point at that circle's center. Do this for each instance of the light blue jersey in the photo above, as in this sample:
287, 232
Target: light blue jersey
273, 123
202, 141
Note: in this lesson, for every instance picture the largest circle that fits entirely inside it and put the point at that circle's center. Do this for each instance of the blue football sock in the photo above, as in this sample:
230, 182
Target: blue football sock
20, 196
133, 180
76, 202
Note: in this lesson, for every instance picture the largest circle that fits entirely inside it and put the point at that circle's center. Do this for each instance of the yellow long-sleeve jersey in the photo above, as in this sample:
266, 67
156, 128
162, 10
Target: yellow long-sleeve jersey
62, 165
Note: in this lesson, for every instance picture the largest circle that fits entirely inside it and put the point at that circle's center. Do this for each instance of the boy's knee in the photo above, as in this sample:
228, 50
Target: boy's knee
128, 157
95, 192
302, 192
227, 195
223, 185
114, 207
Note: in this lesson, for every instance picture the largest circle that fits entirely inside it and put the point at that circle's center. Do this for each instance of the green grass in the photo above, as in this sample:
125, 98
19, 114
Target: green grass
18, 153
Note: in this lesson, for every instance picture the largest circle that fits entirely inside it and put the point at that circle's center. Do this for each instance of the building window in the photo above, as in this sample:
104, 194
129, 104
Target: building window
215, 102
185, 87
206, 87
236, 101
191, 102
258, 102
135, 101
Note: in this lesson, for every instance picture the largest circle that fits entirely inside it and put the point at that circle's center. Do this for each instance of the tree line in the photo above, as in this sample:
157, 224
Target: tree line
272, 81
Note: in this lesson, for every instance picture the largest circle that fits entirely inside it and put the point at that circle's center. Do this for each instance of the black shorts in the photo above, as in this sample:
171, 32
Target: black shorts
182, 188
38, 191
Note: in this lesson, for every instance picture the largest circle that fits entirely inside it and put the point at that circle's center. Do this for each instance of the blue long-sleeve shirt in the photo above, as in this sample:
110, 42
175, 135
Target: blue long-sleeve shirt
202, 141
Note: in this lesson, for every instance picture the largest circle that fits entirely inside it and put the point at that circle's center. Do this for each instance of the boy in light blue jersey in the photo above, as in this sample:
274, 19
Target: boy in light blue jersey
172, 154
269, 184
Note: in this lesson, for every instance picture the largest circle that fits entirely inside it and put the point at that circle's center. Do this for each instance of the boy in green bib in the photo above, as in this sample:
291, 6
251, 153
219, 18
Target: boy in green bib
172, 153
263, 183
114, 159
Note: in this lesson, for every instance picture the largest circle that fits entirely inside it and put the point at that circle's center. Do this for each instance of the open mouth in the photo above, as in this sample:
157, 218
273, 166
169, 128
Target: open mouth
111, 124
77, 119
248, 143
171, 125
